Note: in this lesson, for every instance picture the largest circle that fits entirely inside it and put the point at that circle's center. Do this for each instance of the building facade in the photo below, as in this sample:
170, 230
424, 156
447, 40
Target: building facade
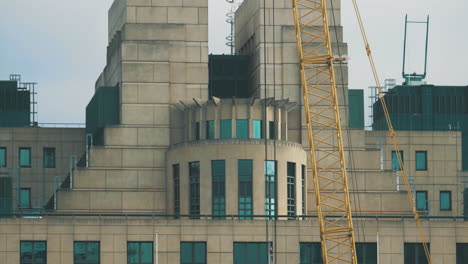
178, 176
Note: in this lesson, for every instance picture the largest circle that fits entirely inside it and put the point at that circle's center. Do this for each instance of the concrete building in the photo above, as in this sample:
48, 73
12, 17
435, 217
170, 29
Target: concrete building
171, 175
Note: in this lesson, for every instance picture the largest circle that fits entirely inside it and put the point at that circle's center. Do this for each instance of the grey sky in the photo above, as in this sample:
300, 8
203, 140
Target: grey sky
62, 45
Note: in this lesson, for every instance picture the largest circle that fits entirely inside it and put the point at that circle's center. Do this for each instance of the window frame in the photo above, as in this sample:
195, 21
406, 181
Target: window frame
270, 189
417, 250
29, 198
291, 189
193, 251
194, 191
394, 154
19, 157
450, 200
87, 244
210, 129
225, 133
245, 184
5, 158
44, 151
139, 251
257, 125
218, 190
425, 160
176, 182
246, 130
33, 242
426, 208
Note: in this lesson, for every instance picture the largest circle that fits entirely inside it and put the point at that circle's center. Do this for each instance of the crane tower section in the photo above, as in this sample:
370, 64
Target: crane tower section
324, 131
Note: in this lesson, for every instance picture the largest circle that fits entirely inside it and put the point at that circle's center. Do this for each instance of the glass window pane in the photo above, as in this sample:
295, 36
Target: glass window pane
2, 157
257, 129
421, 160
445, 200
49, 157
40, 252
79, 252
421, 200
93, 252
146, 252
242, 128
226, 129
200, 253
395, 162
26, 251
271, 129
132, 252
197, 130
25, 157
185, 252
210, 130
25, 198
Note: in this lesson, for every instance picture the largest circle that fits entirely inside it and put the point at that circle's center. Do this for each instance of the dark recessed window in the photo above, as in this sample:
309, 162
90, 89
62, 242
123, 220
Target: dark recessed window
210, 129
271, 128
33, 252
310, 253
49, 157
192, 252
421, 201
176, 176
395, 162
194, 181
196, 129
86, 252
251, 253
218, 174
3, 157
139, 252
445, 200
415, 254
291, 188
25, 198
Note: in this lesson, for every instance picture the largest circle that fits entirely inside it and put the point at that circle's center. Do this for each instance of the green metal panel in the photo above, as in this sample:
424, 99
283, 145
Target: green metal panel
103, 110
192, 252
366, 253
414, 253
228, 76
14, 105
356, 108
310, 253
462, 253
251, 253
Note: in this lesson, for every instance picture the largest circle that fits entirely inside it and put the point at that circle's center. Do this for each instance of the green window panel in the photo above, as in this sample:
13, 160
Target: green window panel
291, 188
218, 174
197, 130
49, 157
445, 200
271, 129
25, 198
176, 178
140, 252
242, 128
257, 129
366, 253
33, 252
192, 252
210, 129
251, 253
462, 253
245, 170
310, 253
194, 181
270, 188
395, 163
465, 204
25, 157
6, 197
86, 252
3, 157
303, 187
421, 160
414, 253
225, 129
421, 201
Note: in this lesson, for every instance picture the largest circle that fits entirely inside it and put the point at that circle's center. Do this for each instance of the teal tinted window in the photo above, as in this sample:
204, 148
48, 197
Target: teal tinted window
139, 252
395, 162
310, 253
257, 129
225, 129
3, 160
218, 173
271, 128
462, 253
197, 130
194, 181
421, 200
49, 157
86, 252
366, 253
176, 178
25, 157
210, 129
245, 170
33, 252
25, 198
192, 253
421, 160
242, 128
251, 253
445, 200
270, 188
291, 188
414, 253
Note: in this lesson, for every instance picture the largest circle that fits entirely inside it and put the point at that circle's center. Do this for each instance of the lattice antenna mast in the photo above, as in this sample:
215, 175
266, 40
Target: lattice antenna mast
324, 131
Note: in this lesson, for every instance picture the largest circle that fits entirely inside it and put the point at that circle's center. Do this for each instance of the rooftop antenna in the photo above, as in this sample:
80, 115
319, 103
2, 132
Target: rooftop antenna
230, 19
414, 78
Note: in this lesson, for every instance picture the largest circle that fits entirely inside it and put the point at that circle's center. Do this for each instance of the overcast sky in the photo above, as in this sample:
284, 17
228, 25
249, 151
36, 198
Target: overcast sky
61, 45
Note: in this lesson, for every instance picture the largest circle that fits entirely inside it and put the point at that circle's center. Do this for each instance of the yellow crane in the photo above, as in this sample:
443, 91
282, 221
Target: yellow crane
325, 133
